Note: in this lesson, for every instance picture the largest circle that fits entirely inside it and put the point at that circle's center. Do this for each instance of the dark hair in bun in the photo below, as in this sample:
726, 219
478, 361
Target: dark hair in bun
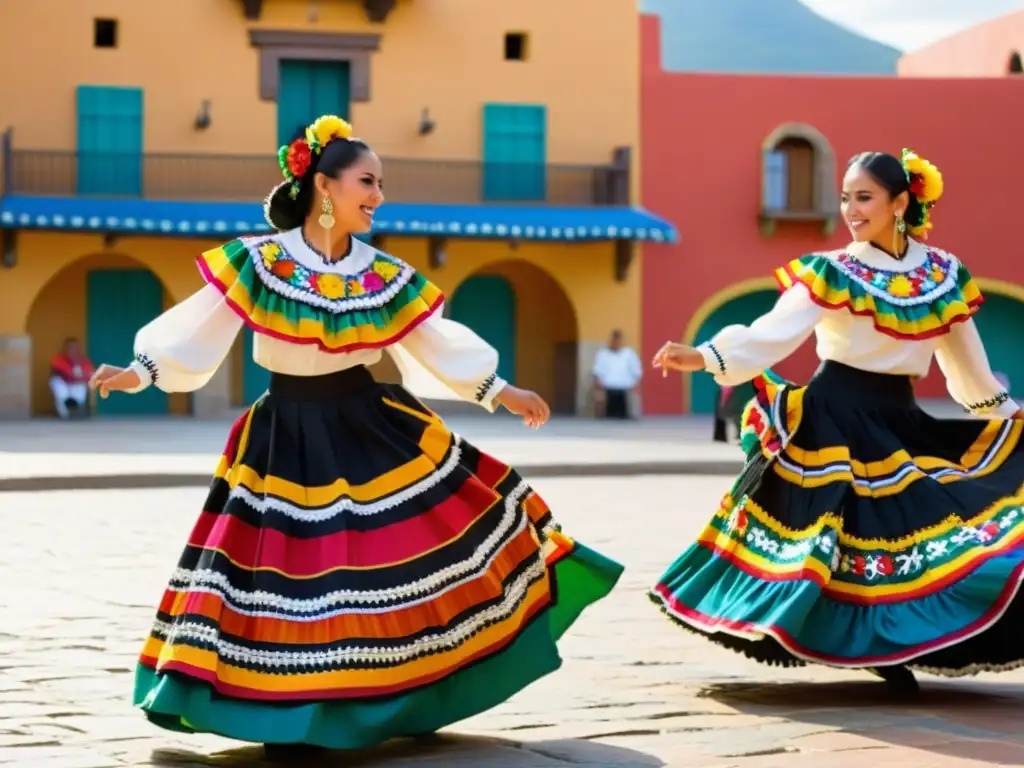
889, 172
284, 212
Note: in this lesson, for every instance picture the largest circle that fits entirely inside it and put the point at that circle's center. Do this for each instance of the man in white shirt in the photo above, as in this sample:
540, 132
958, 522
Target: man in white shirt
617, 372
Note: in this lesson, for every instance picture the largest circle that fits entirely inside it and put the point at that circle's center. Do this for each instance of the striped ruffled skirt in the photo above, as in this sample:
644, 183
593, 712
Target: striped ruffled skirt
359, 573
862, 533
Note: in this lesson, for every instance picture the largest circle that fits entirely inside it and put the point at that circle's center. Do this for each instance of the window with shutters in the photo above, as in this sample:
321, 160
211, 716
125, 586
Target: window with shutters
798, 179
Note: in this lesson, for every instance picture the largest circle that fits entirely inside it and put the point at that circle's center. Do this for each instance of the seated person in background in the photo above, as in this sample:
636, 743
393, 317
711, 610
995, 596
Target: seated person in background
70, 371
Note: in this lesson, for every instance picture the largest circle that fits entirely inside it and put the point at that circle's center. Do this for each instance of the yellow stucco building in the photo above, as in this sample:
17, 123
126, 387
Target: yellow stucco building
509, 133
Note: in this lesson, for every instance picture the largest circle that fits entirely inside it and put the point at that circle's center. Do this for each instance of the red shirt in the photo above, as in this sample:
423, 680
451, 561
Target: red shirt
73, 370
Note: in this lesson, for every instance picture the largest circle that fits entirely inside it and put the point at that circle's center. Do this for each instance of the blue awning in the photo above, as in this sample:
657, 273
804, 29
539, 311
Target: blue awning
222, 219
524, 222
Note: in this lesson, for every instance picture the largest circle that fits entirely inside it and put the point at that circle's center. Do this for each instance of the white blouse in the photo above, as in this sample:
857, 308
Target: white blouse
439, 358
854, 340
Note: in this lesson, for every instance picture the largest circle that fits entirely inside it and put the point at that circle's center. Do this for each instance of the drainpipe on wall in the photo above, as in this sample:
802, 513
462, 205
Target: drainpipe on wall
6, 149
622, 159
8, 252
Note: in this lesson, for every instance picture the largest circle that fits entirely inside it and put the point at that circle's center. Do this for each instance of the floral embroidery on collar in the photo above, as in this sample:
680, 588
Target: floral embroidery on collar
935, 276
373, 286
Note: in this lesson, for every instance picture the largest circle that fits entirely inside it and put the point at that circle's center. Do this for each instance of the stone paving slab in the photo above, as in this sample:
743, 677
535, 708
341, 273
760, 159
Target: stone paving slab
81, 573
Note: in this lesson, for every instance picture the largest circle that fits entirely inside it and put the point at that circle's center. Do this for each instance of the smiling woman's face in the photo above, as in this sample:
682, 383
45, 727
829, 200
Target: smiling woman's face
356, 193
867, 208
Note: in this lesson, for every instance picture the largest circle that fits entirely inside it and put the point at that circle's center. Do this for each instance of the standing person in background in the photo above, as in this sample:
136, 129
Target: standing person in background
617, 372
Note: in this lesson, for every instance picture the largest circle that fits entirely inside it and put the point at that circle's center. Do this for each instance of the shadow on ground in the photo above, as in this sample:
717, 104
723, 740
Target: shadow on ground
966, 720
449, 751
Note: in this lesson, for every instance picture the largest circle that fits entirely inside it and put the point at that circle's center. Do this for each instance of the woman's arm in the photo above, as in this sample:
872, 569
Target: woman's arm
738, 353
962, 359
443, 359
180, 350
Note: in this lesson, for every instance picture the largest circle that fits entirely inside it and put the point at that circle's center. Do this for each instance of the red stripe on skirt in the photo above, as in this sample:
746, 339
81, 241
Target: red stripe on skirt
253, 547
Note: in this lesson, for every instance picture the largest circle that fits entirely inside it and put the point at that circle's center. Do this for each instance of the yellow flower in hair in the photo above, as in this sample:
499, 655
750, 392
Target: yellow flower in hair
327, 128
925, 179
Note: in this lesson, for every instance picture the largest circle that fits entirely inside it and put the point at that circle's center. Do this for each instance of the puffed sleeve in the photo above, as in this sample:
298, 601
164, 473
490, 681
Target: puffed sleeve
962, 359
442, 359
180, 350
738, 353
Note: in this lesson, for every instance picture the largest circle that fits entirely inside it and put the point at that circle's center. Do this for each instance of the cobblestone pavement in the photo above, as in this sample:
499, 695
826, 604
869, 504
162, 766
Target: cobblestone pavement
81, 573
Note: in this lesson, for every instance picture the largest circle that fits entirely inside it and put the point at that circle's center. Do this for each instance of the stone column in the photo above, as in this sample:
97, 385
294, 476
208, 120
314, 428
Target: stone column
585, 354
15, 377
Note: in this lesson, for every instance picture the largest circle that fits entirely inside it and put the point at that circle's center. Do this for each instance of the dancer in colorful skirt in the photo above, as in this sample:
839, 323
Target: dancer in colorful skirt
863, 532
358, 572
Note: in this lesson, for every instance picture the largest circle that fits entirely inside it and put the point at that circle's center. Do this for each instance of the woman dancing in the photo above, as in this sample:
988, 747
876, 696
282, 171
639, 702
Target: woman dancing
358, 572
863, 533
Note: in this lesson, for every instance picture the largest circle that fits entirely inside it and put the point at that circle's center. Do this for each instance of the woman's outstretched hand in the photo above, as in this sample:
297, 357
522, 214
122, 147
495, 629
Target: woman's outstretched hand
678, 357
110, 378
523, 402
1019, 415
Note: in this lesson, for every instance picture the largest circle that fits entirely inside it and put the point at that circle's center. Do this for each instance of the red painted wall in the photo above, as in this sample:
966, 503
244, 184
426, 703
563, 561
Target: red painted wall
981, 51
702, 137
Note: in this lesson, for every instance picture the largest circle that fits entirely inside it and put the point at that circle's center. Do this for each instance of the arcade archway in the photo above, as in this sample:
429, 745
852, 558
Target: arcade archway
101, 299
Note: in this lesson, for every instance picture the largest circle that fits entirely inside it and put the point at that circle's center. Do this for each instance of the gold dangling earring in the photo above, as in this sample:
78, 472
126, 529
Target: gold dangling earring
326, 219
900, 229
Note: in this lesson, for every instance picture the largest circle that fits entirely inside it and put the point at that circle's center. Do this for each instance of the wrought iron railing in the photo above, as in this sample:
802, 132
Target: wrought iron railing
242, 178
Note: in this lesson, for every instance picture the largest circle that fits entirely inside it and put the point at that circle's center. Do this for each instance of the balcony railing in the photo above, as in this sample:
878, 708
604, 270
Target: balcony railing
245, 178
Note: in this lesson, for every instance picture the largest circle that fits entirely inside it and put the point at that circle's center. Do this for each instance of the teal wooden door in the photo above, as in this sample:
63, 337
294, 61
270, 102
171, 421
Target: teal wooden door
515, 153
744, 310
110, 136
307, 90
1000, 321
118, 302
487, 304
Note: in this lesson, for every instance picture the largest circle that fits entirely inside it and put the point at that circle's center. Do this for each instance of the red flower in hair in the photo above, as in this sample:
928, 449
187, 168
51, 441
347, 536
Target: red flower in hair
917, 185
298, 159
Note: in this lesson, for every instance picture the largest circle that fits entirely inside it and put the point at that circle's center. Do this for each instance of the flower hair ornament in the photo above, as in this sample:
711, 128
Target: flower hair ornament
295, 158
926, 188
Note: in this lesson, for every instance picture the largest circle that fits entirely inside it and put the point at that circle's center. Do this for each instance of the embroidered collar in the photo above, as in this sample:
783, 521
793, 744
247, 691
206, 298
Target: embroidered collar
364, 279
324, 258
921, 277
876, 258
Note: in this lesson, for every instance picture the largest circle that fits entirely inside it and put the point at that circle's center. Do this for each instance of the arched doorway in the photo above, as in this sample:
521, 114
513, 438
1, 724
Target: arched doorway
539, 349
103, 300
743, 310
999, 322
487, 304
1015, 66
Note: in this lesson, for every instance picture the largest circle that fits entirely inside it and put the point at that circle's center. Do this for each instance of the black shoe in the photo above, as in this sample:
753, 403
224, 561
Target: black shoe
899, 679
290, 753
427, 738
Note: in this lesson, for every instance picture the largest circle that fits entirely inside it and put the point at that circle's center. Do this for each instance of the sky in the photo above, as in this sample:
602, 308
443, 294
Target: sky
911, 24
